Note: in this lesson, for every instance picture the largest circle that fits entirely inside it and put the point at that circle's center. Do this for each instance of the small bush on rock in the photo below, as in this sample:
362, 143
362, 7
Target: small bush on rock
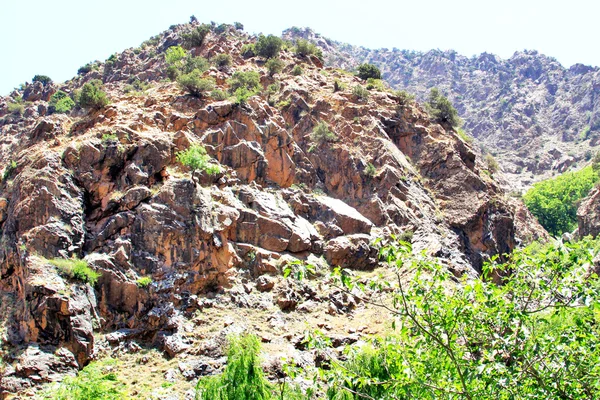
92, 96
268, 46
45, 80
366, 71
197, 36
274, 66
196, 159
441, 109
222, 60
195, 84
75, 269
322, 134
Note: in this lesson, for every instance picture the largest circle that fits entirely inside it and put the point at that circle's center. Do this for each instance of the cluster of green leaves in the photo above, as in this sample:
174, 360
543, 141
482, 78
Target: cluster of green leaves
44, 79
305, 48
60, 103
248, 50
195, 84
196, 37
322, 134
8, 170
92, 96
297, 70
268, 46
404, 98
370, 170
376, 84
143, 281
196, 159
75, 269
554, 201
17, 107
526, 329
87, 68
366, 71
221, 61
274, 66
243, 85
243, 377
441, 109
179, 62
360, 92
92, 383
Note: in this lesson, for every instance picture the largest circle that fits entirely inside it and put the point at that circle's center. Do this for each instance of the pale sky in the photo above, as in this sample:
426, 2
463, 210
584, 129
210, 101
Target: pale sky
56, 37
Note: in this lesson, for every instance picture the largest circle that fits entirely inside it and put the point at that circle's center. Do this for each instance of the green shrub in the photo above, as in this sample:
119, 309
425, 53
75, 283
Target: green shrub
274, 66
366, 71
60, 103
197, 36
91, 383
441, 109
297, 70
195, 84
16, 108
85, 69
222, 60
268, 46
239, 26
242, 94
75, 269
219, 94
92, 96
370, 170
465, 136
243, 377
530, 333
143, 281
360, 92
376, 84
8, 170
338, 86
554, 201
196, 159
322, 134
246, 79
193, 63
404, 98
305, 48
491, 163
248, 50
175, 55
220, 29
45, 80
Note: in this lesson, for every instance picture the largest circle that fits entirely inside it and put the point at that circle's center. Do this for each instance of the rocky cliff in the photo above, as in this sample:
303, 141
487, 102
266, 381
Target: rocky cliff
536, 116
105, 187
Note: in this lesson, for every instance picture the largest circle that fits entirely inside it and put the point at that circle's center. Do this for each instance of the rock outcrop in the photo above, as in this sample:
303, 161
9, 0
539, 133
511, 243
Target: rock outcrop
105, 187
536, 116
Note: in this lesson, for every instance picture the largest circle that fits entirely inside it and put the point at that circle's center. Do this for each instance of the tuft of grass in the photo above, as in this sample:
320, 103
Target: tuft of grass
143, 281
322, 134
75, 269
92, 383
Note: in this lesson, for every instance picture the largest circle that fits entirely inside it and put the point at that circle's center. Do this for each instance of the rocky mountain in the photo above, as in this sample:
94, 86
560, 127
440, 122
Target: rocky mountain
535, 116
184, 260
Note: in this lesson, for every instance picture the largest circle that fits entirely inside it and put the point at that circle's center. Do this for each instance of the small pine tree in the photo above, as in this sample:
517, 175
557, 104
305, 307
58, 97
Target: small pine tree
274, 66
441, 109
366, 71
92, 96
195, 84
268, 46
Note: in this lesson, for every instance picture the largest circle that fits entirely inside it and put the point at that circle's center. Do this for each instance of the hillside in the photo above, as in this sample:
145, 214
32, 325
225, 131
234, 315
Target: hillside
535, 116
183, 259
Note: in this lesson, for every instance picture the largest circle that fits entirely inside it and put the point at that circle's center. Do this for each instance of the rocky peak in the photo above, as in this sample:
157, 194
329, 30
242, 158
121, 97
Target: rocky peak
105, 187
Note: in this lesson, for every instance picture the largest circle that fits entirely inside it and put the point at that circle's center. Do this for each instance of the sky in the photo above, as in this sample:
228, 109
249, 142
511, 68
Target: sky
56, 37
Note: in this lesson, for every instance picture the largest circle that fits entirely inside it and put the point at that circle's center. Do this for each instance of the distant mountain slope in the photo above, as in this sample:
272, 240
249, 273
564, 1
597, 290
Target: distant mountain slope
536, 116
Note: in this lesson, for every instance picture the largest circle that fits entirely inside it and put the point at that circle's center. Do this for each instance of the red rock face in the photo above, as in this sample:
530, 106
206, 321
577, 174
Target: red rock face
105, 186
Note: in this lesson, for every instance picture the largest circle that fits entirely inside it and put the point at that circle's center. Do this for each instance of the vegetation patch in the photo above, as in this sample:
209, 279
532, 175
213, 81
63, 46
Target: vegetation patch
93, 382
75, 269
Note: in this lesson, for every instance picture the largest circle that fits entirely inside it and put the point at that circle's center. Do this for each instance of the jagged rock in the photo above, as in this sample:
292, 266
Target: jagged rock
353, 251
588, 214
265, 283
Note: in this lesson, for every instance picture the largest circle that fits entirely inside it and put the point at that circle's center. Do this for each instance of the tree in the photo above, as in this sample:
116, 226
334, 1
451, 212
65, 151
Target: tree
195, 84
60, 102
274, 66
45, 80
196, 159
268, 46
174, 55
196, 37
366, 71
442, 110
92, 96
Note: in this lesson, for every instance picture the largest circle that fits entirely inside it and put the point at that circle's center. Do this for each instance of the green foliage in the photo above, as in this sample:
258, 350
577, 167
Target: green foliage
526, 329
376, 84
193, 63
242, 94
404, 98
196, 159
322, 134
297, 70
239, 26
366, 71
222, 60
60, 103
360, 92
8, 170
175, 55
491, 163
338, 86
195, 84
92, 96
466, 137
197, 36
305, 48
75, 269
268, 46
554, 201
92, 383
249, 80
242, 379
45, 80
85, 69
219, 94
16, 108
274, 66
442, 111
248, 50
298, 270
137, 86
143, 281
370, 170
